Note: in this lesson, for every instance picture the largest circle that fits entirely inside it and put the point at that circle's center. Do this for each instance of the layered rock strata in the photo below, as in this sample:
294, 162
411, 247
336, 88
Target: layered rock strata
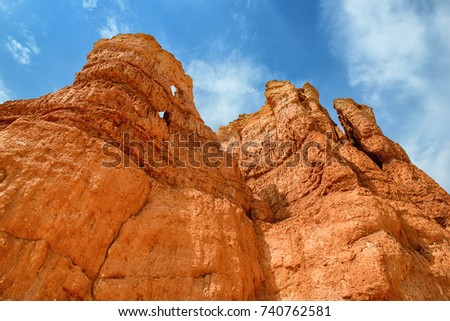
89, 209
350, 216
114, 189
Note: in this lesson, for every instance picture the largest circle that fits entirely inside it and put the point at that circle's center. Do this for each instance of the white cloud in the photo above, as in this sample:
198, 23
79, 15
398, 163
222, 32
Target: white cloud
241, 23
226, 87
382, 41
121, 5
113, 27
23, 52
89, 4
4, 93
8, 7
398, 54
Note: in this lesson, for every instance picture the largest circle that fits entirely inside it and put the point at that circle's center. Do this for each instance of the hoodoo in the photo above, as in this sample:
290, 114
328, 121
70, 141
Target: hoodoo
113, 188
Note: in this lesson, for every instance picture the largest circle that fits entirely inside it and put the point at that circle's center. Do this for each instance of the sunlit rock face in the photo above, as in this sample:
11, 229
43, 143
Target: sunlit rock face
349, 216
113, 188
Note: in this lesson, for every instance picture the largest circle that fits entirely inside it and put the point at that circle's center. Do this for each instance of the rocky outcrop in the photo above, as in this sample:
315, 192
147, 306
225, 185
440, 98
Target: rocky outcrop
94, 206
114, 189
350, 217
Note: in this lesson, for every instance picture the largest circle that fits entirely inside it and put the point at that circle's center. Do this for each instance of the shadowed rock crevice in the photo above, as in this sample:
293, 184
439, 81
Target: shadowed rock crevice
111, 244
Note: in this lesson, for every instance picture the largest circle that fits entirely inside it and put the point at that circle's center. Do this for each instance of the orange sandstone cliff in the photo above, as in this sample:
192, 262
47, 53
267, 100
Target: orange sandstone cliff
114, 189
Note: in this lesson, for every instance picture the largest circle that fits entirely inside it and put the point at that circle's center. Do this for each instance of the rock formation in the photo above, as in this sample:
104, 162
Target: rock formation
114, 189
350, 216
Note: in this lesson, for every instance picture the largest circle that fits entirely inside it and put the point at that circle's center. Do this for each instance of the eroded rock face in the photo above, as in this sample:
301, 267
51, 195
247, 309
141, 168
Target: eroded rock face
350, 217
114, 189
85, 215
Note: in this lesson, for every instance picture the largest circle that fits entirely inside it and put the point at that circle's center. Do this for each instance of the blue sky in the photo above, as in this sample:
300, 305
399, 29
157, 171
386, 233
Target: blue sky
391, 55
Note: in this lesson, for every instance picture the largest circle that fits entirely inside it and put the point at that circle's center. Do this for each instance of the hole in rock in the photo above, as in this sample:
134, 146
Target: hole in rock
173, 89
166, 117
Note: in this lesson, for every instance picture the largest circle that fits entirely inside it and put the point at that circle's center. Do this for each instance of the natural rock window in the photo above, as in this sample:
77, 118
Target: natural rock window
173, 90
165, 115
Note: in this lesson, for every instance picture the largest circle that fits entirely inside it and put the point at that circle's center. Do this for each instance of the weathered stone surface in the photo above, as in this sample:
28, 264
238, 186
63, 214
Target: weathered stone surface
104, 198
94, 228
351, 216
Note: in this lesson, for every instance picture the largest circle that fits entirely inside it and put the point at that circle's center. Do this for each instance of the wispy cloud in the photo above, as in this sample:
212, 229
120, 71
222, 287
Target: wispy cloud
89, 4
398, 54
22, 52
242, 27
247, 3
3, 7
113, 27
8, 7
4, 92
117, 19
227, 86
121, 5
240, 22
